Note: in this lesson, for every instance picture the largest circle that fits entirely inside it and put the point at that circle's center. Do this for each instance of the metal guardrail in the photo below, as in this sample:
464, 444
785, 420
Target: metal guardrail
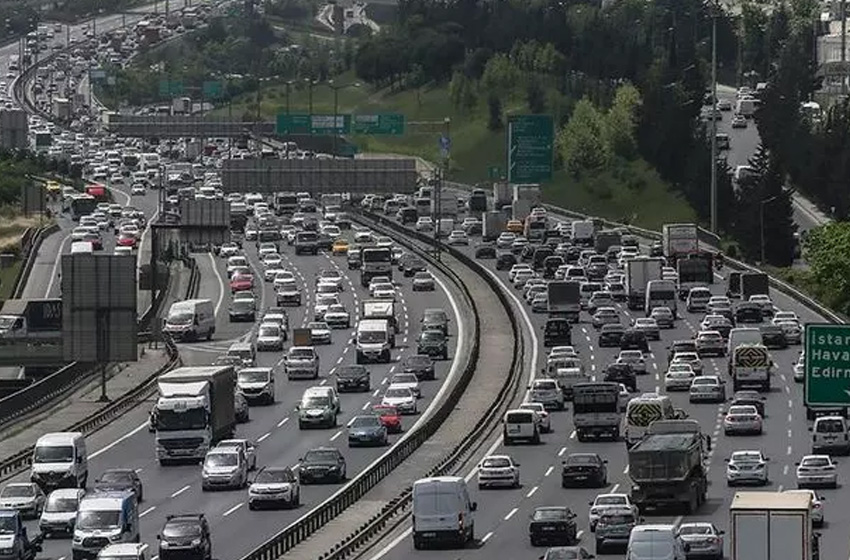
354, 490
394, 511
30, 253
23, 459
734, 264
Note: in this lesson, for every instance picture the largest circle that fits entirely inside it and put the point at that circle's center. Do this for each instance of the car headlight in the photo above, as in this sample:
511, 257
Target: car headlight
115, 538
196, 542
163, 544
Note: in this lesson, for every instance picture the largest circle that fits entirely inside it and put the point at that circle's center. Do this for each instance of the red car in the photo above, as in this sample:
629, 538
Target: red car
389, 416
242, 282
126, 240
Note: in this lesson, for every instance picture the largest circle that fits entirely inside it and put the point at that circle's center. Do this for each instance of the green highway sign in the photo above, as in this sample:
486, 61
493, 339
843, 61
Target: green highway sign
167, 88
299, 123
212, 90
531, 140
391, 124
827, 364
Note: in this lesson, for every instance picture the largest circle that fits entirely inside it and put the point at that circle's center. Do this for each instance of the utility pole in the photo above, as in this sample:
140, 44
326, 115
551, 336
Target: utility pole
714, 120
844, 75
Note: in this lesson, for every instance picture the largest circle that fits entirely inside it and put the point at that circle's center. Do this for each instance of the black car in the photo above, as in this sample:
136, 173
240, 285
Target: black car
242, 310
680, 346
552, 525
414, 265
120, 479
773, 337
550, 266
435, 319
540, 256
433, 342
752, 398
621, 373
505, 260
634, 339
485, 251
354, 259
611, 335
747, 312
323, 464
584, 470
352, 378
420, 364
557, 332
526, 253
185, 536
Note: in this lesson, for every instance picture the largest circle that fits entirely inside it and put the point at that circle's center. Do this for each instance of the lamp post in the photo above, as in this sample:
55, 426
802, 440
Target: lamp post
713, 194
764, 203
288, 91
336, 89
310, 83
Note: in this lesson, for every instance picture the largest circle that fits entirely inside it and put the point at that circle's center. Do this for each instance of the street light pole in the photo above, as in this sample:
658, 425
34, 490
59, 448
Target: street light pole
713, 210
288, 88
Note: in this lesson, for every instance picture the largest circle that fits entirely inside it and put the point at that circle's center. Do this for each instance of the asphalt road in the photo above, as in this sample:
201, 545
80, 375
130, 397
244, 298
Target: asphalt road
235, 529
501, 523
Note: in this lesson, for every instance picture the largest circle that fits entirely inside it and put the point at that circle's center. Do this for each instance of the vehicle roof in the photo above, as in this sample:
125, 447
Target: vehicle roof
110, 499
57, 438
123, 548
656, 442
770, 500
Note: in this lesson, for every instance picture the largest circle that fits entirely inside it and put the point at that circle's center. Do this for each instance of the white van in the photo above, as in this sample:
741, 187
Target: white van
655, 542
105, 518
829, 436
521, 424
60, 511
442, 512
742, 335
374, 341
245, 351
191, 319
124, 551
60, 460
661, 293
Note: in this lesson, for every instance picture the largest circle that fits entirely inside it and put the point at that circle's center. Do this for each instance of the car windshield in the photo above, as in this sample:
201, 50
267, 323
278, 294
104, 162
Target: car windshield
316, 401
301, 353
695, 530
53, 454
610, 501
18, 491
830, 426
582, 460
181, 529
317, 326
403, 378
221, 460
654, 548
61, 504
116, 476
815, 462
321, 456
746, 458
8, 526
271, 476
432, 335
561, 554
253, 376
91, 519
496, 462
365, 422
549, 514
398, 393
418, 361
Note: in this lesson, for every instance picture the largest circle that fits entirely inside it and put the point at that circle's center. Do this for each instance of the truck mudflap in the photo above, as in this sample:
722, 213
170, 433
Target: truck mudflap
689, 495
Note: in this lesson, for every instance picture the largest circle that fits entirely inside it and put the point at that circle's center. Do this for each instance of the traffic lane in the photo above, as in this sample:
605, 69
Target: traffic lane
744, 142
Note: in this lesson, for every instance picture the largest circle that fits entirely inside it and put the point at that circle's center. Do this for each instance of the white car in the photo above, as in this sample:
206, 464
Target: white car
746, 467
408, 380
522, 277
269, 274
679, 377
337, 317
505, 240
562, 352
282, 277
817, 506
633, 358
786, 316
424, 224
247, 447
320, 332
457, 237
402, 398
274, 485
498, 470
266, 249
382, 290
138, 189
25, 497
763, 301
817, 470
690, 358
515, 269
272, 260
624, 397
269, 338
742, 419
791, 329
542, 415
228, 250
604, 502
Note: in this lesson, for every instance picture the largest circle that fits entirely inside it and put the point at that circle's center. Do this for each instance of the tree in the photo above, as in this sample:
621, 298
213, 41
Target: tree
535, 96
827, 250
501, 75
494, 109
582, 140
621, 122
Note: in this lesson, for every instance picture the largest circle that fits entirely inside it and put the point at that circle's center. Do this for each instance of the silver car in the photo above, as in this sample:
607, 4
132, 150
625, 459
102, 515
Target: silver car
633, 358
60, 511
742, 419
746, 467
548, 393
274, 485
707, 388
816, 470
26, 497
542, 415
702, 539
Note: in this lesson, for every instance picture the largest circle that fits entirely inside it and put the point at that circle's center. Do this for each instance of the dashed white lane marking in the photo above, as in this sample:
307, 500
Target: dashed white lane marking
573, 434
531, 492
376, 393
785, 470
614, 488
234, 508
263, 437
549, 471
323, 381
579, 534
511, 513
147, 511
177, 493
562, 451
486, 537
336, 435
626, 470
788, 451
366, 405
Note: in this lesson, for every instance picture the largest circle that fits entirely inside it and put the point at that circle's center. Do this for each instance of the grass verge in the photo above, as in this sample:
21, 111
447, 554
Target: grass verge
7, 279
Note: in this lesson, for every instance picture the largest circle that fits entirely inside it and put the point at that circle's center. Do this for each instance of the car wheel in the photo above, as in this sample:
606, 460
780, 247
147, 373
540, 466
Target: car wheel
251, 506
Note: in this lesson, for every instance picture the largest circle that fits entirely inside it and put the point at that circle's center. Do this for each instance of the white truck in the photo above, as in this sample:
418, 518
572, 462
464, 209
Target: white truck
194, 411
596, 410
582, 232
772, 526
447, 205
520, 209
493, 225
639, 271
530, 192
679, 240
31, 319
381, 309
502, 195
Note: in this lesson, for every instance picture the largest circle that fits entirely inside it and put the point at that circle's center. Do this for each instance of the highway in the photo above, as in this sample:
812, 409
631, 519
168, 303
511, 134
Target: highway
235, 529
501, 522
